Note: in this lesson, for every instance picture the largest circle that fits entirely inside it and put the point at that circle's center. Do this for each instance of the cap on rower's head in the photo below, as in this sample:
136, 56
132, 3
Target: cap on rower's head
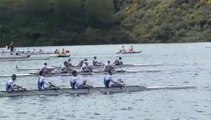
95, 57
45, 63
108, 61
14, 77
69, 59
120, 58
85, 59
65, 62
74, 73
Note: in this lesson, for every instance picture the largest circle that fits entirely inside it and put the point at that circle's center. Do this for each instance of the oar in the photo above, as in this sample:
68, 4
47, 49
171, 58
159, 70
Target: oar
58, 88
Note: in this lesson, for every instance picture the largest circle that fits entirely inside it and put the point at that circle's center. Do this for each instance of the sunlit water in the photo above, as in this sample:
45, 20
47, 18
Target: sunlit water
182, 64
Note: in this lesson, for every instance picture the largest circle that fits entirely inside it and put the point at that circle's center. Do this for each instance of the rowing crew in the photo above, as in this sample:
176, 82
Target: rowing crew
67, 66
74, 83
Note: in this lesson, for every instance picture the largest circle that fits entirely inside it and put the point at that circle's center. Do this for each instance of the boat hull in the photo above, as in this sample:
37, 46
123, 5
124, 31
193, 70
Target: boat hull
69, 91
135, 52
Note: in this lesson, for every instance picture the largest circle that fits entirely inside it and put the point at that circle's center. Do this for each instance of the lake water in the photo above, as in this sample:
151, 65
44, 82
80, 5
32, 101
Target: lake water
182, 64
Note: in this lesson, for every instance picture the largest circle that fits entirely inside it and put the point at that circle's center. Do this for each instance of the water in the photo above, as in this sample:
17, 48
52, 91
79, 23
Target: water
182, 64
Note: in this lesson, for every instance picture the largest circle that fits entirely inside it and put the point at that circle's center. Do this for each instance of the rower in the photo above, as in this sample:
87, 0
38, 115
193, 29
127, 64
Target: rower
118, 61
108, 66
108, 79
131, 49
65, 68
69, 63
122, 50
82, 62
45, 69
10, 86
95, 62
41, 84
86, 68
73, 80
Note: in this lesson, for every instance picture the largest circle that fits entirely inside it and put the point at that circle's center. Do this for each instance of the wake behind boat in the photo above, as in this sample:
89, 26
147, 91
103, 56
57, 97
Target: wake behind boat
102, 90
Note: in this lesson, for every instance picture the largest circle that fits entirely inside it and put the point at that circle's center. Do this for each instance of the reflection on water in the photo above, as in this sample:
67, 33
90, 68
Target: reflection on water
183, 64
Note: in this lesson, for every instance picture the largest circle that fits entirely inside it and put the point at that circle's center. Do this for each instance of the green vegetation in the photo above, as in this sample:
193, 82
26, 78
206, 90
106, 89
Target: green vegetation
68, 22
59, 22
167, 20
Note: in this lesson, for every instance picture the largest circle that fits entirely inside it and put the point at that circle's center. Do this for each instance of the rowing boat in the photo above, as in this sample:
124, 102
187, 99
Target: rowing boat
82, 73
13, 56
69, 91
61, 55
95, 67
134, 52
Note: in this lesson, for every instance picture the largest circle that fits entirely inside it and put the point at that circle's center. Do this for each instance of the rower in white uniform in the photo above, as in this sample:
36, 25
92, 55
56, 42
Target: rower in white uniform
74, 82
108, 66
10, 86
118, 61
86, 68
95, 62
108, 79
45, 69
82, 62
41, 84
65, 68
69, 63
122, 50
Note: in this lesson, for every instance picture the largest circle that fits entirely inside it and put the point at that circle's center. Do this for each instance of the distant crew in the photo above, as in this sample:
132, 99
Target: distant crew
118, 61
10, 86
131, 49
123, 49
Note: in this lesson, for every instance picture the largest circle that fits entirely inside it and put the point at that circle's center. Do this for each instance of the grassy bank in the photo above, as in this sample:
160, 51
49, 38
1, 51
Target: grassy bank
73, 22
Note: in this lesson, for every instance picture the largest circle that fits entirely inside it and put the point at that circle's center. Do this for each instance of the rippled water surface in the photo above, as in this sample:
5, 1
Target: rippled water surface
180, 64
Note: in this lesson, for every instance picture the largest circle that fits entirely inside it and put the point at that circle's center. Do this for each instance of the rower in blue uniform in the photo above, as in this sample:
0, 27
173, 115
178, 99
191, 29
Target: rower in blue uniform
118, 61
41, 84
10, 86
73, 80
74, 84
109, 79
